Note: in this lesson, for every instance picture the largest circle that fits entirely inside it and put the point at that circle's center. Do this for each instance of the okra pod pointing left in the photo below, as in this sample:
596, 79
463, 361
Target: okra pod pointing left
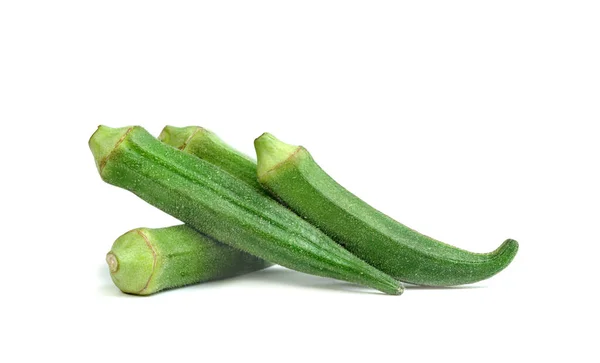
144, 261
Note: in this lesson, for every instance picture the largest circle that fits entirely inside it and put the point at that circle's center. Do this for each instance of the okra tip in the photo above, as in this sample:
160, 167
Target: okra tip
391, 286
104, 141
132, 262
508, 249
270, 152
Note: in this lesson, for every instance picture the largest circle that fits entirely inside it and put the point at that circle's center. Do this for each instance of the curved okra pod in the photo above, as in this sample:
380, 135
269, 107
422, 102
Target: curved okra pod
290, 174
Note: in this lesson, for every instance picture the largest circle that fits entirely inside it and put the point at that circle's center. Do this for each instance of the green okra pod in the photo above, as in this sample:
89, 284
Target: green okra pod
225, 208
206, 145
144, 261
290, 174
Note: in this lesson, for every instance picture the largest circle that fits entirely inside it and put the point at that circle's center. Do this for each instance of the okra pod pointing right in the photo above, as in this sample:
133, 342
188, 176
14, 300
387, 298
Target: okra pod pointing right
206, 145
223, 207
290, 174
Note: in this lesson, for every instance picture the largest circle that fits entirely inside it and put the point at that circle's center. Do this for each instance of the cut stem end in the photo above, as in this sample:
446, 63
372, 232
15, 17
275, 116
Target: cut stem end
113, 263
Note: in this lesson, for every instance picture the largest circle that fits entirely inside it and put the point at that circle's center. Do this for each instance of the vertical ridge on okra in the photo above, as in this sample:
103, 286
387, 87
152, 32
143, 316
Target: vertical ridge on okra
210, 199
290, 174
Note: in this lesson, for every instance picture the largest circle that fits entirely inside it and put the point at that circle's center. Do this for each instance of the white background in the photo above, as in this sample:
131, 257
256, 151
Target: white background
469, 121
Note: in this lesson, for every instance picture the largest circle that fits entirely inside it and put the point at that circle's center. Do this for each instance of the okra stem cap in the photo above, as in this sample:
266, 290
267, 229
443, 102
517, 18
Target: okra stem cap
132, 262
178, 136
271, 152
104, 141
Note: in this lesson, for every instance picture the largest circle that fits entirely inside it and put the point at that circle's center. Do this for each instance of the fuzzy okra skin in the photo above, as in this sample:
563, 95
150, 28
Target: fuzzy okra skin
225, 208
206, 145
145, 261
290, 174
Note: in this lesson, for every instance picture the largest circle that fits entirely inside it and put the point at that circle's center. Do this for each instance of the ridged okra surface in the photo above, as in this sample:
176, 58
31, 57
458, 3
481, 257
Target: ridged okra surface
144, 261
291, 175
211, 200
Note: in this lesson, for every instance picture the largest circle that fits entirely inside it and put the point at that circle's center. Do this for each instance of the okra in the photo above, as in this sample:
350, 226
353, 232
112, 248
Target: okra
211, 200
203, 143
144, 261
291, 174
